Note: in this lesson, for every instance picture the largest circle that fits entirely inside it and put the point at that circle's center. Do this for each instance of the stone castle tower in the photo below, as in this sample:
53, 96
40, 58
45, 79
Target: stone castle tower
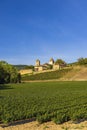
51, 62
37, 62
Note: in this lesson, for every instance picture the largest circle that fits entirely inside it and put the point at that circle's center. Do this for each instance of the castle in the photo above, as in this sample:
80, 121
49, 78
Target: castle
41, 67
46, 66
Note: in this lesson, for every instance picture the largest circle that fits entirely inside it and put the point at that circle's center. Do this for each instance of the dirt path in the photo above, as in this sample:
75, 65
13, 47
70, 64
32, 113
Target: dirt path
48, 126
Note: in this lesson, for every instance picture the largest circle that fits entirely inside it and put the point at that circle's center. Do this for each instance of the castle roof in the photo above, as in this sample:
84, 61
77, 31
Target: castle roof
37, 60
51, 59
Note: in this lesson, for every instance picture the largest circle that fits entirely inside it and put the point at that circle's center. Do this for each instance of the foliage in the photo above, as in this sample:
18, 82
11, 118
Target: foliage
18, 78
19, 67
2, 73
45, 101
8, 73
82, 61
61, 118
60, 62
50, 66
29, 67
47, 75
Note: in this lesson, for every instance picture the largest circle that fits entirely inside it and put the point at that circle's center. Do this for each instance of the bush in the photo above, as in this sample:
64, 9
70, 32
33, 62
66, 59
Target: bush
8, 73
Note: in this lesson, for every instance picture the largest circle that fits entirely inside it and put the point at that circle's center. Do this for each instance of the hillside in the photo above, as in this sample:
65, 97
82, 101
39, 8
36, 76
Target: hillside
19, 67
73, 73
47, 75
77, 73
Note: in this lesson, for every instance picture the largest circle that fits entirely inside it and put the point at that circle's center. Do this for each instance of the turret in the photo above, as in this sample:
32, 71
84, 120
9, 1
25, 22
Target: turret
51, 62
37, 62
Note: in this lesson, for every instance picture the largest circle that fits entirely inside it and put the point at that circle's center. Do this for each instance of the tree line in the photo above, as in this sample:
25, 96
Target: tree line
8, 73
82, 61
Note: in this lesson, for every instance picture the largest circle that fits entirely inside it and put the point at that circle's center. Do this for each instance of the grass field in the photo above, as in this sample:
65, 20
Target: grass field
57, 101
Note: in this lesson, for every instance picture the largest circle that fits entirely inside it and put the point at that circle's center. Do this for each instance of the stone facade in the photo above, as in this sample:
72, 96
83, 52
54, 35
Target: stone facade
51, 62
37, 62
56, 67
40, 68
25, 71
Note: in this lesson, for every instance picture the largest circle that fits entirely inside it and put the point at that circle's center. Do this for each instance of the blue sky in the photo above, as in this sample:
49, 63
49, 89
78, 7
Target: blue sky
41, 29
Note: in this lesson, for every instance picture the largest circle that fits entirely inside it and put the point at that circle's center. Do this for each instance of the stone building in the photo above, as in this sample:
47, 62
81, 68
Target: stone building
25, 71
37, 62
51, 62
46, 66
56, 67
38, 66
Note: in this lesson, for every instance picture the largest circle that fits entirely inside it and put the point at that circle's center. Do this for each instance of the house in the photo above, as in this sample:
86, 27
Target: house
39, 67
56, 67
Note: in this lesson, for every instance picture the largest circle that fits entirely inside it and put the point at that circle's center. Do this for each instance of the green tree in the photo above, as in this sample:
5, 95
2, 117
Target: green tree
82, 61
19, 78
2, 72
8, 73
29, 67
60, 62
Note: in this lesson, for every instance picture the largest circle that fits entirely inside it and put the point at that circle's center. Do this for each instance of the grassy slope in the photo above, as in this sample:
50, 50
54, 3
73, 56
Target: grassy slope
47, 75
75, 73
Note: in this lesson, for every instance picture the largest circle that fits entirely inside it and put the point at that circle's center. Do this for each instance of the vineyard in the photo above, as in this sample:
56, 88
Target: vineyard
57, 101
47, 75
